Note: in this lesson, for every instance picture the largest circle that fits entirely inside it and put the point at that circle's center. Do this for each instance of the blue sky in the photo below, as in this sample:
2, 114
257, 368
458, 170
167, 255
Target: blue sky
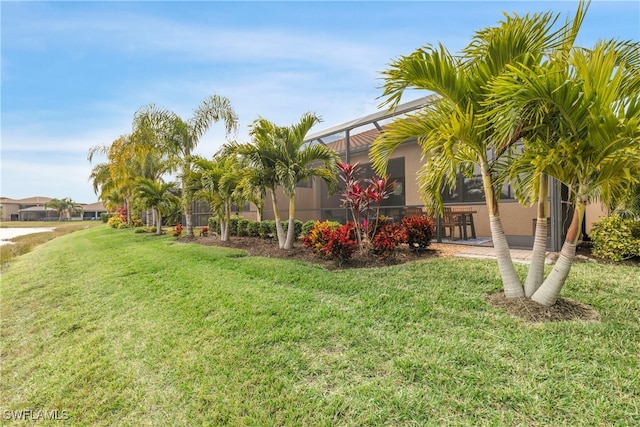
74, 73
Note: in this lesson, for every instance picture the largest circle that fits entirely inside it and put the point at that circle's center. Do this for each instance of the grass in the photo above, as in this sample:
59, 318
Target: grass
23, 244
114, 327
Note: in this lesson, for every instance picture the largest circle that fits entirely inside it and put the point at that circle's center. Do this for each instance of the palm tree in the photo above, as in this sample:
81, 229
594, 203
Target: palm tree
280, 159
64, 206
581, 122
180, 137
455, 133
219, 181
157, 196
262, 156
300, 162
127, 160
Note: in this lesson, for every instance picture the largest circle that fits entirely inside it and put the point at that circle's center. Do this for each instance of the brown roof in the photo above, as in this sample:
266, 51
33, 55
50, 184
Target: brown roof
28, 201
95, 207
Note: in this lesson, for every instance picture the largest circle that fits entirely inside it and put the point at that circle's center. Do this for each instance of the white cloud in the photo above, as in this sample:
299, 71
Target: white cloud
22, 179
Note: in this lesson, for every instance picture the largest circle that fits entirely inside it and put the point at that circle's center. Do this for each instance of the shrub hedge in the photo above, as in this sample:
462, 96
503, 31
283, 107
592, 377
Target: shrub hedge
616, 238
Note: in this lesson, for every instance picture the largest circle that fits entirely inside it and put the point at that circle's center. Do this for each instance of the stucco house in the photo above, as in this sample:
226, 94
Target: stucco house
34, 209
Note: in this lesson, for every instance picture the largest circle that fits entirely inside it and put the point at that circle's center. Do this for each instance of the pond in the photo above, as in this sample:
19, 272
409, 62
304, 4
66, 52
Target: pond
9, 233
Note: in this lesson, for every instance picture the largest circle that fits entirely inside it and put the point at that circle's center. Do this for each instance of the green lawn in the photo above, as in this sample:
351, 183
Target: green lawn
114, 327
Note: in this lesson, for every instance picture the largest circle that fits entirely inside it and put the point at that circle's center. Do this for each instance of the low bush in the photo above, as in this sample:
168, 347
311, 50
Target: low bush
233, 225
177, 230
116, 222
241, 227
267, 229
104, 217
616, 238
419, 231
341, 242
315, 238
386, 240
214, 224
253, 229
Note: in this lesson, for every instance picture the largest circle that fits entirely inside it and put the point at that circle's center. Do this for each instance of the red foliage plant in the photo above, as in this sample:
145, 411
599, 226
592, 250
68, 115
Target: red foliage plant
362, 200
341, 242
387, 239
418, 230
316, 238
122, 213
177, 230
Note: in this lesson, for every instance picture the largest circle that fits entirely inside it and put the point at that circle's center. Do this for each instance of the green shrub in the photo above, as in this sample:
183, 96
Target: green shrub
214, 224
253, 228
616, 238
105, 217
233, 225
145, 230
241, 227
267, 229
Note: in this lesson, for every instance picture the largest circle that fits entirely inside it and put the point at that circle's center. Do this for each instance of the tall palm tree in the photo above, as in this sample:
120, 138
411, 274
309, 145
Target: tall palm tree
157, 196
180, 137
219, 181
262, 155
281, 159
581, 121
455, 133
300, 162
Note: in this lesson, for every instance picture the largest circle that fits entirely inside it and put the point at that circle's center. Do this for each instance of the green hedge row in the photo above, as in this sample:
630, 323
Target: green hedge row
266, 229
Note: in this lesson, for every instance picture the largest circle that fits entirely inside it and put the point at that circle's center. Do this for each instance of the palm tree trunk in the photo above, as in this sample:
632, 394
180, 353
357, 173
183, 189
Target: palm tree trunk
510, 282
127, 204
276, 215
224, 222
291, 232
547, 294
535, 276
158, 216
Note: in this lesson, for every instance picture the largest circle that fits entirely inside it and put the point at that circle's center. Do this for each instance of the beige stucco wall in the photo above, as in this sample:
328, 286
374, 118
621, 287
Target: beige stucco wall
593, 213
9, 209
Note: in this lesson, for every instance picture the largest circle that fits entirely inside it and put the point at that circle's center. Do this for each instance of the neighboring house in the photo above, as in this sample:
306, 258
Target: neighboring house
33, 209
92, 210
352, 142
11, 208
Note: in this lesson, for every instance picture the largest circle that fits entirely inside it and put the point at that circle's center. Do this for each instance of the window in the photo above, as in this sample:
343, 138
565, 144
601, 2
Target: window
471, 190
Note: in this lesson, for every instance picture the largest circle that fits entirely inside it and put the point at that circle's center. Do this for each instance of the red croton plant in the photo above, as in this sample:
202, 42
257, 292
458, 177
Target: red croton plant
363, 200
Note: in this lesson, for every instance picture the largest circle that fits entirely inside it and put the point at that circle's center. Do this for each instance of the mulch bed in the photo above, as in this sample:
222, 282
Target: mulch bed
269, 248
564, 310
